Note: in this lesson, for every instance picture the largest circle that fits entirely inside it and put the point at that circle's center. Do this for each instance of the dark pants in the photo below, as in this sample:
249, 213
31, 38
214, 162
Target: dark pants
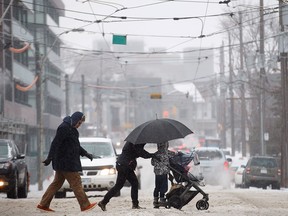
161, 185
124, 173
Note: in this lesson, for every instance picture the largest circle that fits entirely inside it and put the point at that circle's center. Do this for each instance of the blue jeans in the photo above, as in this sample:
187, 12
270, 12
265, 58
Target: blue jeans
161, 185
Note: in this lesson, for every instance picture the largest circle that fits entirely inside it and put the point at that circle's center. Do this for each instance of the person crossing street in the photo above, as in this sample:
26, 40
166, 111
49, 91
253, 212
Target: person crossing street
64, 153
125, 165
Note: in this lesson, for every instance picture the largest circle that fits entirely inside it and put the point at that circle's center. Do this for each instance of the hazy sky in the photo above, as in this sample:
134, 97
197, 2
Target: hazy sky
154, 21
167, 33
198, 17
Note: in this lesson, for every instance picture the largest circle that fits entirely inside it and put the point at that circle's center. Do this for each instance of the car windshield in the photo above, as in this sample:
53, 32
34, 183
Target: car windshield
100, 149
264, 162
209, 155
5, 150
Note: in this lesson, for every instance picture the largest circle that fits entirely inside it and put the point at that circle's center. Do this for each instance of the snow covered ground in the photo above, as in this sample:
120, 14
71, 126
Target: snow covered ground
222, 202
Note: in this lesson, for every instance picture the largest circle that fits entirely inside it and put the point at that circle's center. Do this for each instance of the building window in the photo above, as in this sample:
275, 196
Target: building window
53, 74
53, 106
39, 10
52, 11
21, 57
20, 96
53, 42
8, 60
8, 90
20, 14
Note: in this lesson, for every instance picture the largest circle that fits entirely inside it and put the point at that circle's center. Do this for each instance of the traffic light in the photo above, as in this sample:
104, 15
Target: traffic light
155, 96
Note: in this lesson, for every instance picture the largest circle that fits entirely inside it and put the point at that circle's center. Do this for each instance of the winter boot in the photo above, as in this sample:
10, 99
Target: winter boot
135, 205
102, 205
162, 201
155, 202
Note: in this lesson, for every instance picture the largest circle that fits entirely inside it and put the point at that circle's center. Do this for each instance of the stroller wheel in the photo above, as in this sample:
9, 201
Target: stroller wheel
175, 202
202, 205
207, 205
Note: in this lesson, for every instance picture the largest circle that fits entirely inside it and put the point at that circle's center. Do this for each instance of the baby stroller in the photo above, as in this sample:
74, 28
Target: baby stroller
180, 193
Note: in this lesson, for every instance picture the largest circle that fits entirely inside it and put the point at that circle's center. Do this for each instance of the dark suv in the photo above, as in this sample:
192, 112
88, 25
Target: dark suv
262, 171
14, 177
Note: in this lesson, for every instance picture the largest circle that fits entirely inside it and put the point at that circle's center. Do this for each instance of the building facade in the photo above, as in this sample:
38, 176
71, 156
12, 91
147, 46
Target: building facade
30, 84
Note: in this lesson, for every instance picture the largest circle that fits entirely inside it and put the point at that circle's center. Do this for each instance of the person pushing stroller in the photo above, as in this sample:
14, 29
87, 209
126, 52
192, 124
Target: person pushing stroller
160, 161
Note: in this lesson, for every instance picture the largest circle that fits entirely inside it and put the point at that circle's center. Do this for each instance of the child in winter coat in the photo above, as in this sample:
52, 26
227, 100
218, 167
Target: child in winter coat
161, 170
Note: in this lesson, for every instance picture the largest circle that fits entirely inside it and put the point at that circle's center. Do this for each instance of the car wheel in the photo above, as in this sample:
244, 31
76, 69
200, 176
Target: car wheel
13, 193
60, 194
23, 190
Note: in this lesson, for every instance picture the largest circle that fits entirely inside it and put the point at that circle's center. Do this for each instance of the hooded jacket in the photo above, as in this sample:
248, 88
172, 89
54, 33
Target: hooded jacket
65, 148
161, 166
129, 154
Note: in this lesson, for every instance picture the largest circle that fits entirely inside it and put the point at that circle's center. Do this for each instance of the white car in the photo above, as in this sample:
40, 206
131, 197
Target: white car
99, 174
214, 166
236, 168
238, 176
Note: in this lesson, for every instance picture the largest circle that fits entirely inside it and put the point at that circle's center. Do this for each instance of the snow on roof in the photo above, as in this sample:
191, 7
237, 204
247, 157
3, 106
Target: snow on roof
189, 87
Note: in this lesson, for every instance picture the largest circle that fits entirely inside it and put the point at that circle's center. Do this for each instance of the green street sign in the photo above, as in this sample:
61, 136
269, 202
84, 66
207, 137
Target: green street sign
119, 39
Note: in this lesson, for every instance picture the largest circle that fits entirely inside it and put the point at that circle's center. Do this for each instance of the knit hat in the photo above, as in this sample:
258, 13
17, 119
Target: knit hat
163, 145
76, 117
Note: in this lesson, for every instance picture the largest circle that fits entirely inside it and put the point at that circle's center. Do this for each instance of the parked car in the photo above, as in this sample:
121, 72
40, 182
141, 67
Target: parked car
237, 165
262, 171
214, 166
100, 173
238, 176
14, 176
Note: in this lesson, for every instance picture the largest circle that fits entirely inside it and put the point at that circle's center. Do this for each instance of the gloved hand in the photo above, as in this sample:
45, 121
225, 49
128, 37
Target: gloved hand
90, 156
47, 161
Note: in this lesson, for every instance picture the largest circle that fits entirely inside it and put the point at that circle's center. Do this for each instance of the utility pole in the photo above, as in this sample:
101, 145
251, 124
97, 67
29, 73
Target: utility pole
83, 92
99, 108
67, 94
242, 90
262, 78
231, 96
99, 98
39, 97
284, 88
222, 106
3, 73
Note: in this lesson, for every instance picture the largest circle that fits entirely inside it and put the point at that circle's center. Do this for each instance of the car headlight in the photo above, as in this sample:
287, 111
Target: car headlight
110, 171
3, 183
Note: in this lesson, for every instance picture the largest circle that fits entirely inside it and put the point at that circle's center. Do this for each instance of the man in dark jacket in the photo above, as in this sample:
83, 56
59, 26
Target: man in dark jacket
65, 154
125, 165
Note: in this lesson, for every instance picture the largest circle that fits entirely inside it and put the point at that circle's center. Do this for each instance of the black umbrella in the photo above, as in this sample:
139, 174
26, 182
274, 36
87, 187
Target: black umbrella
158, 131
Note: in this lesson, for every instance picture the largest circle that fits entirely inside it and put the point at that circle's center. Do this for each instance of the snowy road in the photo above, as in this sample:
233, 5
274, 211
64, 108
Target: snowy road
251, 201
